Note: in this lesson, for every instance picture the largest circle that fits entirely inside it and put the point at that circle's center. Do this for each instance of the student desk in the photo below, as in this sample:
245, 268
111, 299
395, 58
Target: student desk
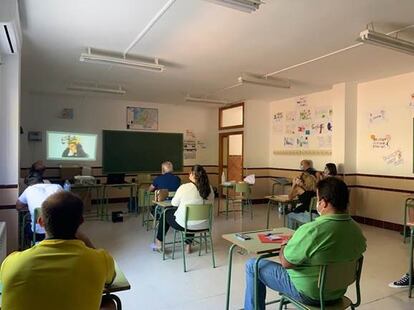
89, 189
164, 206
281, 200
255, 246
120, 283
133, 196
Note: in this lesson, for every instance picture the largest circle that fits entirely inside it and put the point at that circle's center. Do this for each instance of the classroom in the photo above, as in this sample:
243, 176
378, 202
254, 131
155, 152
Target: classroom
207, 154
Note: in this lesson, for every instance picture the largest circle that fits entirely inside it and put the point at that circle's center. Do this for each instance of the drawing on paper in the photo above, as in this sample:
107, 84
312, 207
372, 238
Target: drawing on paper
288, 142
380, 142
395, 158
305, 115
302, 142
291, 116
376, 116
301, 102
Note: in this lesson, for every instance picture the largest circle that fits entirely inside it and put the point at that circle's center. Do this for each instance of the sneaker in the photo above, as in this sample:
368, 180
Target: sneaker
401, 283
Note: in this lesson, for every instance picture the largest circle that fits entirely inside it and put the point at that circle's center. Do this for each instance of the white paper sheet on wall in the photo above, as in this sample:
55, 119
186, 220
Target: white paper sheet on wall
380, 142
376, 116
394, 159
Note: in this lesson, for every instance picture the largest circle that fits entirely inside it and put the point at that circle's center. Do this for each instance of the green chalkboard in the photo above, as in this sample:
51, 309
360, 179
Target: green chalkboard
129, 151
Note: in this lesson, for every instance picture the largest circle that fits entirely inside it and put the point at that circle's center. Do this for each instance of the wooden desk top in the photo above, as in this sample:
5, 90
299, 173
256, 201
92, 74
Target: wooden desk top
254, 245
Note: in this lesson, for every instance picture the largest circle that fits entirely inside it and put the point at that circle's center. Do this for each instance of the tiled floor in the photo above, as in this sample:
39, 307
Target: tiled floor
157, 284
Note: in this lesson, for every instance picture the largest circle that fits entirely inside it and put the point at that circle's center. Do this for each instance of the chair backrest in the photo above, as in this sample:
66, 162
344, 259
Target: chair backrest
242, 187
198, 212
409, 211
338, 276
312, 206
144, 178
35, 218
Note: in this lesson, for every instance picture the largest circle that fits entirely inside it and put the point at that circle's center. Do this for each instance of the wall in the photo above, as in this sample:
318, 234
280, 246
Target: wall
92, 114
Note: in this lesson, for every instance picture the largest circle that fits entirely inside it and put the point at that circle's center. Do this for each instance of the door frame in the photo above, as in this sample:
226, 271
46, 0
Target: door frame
221, 136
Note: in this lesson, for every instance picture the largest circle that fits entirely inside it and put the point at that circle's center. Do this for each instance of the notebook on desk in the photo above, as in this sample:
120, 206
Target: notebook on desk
115, 178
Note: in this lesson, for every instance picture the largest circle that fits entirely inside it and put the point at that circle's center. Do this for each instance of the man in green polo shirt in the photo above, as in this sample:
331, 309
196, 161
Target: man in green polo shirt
332, 237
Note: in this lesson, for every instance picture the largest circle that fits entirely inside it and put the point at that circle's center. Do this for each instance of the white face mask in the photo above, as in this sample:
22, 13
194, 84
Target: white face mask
301, 167
317, 208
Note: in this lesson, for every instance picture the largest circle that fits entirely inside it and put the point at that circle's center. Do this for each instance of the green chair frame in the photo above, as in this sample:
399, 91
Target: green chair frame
409, 203
333, 277
197, 212
244, 190
24, 219
35, 218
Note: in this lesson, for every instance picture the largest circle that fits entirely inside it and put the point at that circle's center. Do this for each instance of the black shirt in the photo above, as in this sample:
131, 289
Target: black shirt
304, 201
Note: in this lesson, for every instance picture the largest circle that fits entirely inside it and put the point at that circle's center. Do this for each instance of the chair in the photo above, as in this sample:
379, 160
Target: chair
333, 277
243, 192
24, 219
305, 217
408, 216
197, 213
35, 218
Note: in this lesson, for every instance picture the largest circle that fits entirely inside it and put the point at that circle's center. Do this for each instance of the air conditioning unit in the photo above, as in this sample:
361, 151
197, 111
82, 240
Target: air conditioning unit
10, 38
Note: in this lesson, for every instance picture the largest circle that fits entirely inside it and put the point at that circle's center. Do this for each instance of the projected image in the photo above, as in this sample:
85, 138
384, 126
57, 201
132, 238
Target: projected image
71, 146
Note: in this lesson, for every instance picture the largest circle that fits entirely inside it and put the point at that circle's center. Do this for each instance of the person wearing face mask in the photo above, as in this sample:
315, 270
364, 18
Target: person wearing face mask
330, 170
303, 189
306, 165
333, 237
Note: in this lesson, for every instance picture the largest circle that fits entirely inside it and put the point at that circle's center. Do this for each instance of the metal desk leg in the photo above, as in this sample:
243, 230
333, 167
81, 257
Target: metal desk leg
256, 275
268, 214
227, 203
163, 233
410, 273
231, 250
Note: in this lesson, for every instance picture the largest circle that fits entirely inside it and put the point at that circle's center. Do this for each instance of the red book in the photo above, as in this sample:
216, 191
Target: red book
273, 238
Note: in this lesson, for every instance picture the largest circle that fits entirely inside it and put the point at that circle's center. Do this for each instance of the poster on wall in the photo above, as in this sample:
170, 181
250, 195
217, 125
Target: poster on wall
291, 116
305, 114
323, 113
190, 145
278, 122
376, 116
325, 142
289, 142
290, 129
394, 159
142, 118
301, 102
302, 142
380, 142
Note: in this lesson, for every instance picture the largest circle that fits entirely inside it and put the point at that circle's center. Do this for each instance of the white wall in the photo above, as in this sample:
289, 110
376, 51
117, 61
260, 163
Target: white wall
93, 114
392, 95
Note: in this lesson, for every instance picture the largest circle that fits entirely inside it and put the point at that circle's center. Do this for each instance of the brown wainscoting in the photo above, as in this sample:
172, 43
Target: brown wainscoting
385, 189
7, 207
3, 186
378, 223
379, 176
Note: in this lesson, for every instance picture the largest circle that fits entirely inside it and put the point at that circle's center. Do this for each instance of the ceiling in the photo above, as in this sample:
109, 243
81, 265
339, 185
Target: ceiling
205, 46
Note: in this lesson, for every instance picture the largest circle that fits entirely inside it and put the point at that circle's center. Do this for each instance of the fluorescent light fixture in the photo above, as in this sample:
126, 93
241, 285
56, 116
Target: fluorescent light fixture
97, 89
250, 78
383, 40
121, 61
247, 6
205, 100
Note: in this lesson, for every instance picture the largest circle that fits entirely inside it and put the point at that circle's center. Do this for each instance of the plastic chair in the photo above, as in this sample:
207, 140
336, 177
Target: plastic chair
34, 222
197, 213
333, 277
408, 216
24, 218
243, 192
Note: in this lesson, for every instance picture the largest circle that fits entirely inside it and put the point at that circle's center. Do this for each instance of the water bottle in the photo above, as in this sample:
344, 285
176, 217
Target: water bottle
223, 178
66, 186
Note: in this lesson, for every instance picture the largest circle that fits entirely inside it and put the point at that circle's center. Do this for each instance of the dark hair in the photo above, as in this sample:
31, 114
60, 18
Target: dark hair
334, 191
62, 215
331, 168
202, 183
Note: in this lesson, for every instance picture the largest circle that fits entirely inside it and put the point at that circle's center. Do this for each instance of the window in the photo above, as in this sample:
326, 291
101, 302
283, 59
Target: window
231, 117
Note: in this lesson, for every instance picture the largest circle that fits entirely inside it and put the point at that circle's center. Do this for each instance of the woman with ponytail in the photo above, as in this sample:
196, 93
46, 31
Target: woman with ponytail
197, 191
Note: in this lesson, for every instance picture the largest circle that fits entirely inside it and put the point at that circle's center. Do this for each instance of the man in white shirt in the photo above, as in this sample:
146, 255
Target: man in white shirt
31, 199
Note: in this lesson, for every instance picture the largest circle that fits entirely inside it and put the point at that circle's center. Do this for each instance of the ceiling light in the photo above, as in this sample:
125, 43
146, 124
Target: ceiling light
97, 89
121, 61
197, 99
248, 6
250, 78
383, 40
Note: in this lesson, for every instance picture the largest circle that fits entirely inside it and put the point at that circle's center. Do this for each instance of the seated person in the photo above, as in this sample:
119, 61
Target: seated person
303, 189
330, 170
195, 192
31, 199
306, 165
63, 271
167, 180
332, 238
36, 174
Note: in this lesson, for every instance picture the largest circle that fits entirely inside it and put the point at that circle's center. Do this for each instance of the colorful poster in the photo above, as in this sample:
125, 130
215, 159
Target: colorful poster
278, 122
142, 118
394, 159
380, 142
301, 102
190, 146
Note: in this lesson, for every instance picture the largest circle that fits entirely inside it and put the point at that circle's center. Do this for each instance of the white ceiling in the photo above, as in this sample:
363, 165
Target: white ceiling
206, 46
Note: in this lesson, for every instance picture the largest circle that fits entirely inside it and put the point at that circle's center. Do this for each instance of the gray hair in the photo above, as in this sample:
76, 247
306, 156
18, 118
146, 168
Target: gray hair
167, 167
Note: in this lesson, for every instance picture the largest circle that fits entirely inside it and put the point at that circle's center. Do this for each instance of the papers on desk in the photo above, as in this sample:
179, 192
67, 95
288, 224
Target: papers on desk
250, 179
273, 238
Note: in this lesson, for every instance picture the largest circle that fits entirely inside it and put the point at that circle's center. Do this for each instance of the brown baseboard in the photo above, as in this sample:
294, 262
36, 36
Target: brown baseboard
378, 223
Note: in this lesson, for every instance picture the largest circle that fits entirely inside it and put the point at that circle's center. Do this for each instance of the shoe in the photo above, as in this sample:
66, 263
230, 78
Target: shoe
401, 283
